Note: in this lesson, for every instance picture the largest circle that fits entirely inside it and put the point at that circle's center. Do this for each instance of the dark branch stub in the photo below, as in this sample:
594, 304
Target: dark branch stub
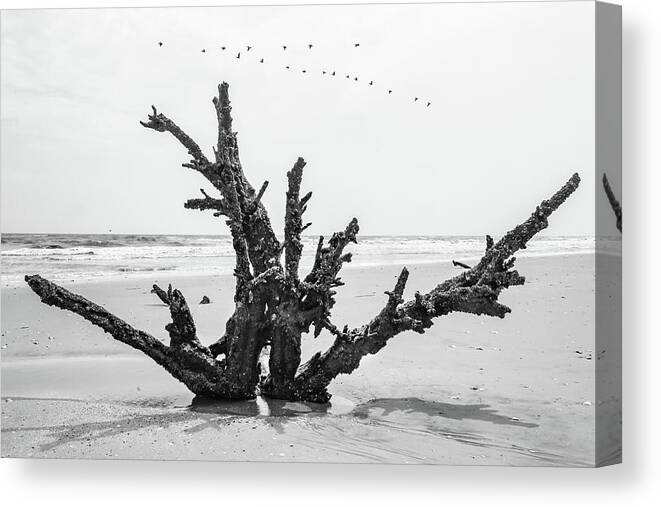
274, 305
161, 294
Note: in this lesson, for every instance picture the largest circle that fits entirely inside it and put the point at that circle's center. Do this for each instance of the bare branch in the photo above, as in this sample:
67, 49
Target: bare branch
186, 360
304, 200
329, 260
227, 150
615, 204
182, 328
239, 241
475, 291
162, 295
161, 123
318, 284
207, 203
293, 221
395, 297
263, 246
54, 295
254, 204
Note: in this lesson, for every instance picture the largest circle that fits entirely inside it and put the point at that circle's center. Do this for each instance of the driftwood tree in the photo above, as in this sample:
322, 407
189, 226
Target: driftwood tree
274, 305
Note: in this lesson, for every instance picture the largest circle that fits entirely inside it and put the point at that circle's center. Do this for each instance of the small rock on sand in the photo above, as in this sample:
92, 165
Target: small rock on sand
205, 300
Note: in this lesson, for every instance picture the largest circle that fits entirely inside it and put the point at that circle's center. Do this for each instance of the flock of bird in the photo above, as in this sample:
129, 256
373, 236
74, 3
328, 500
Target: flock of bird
304, 71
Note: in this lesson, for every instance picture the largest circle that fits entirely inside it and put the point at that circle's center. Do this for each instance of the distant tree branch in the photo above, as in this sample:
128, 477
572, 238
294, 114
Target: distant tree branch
615, 204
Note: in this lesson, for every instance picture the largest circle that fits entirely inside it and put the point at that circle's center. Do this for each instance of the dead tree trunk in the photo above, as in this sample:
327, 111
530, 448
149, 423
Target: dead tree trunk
274, 306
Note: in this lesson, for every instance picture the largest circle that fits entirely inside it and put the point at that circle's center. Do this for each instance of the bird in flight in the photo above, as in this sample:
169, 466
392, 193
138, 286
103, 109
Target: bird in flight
415, 99
238, 55
355, 79
310, 46
262, 60
356, 44
304, 71
428, 104
204, 50
248, 48
389, 92
223, 48
284, 48
287, 67
348, 76
333, 73
323, 72
371, 83
160, 44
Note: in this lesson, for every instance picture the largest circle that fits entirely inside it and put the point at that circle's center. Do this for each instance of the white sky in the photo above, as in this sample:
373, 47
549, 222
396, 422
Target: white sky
512, 115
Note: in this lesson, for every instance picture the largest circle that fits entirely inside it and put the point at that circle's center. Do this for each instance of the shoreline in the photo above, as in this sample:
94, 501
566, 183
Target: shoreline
62, 279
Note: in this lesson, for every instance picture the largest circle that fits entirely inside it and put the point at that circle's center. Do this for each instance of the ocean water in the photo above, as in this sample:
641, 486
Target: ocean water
87, 257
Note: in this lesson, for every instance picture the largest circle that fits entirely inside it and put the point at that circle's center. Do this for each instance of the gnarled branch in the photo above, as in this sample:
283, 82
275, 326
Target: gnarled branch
161, 123
186, 360
317, 287
475, 291
208, 203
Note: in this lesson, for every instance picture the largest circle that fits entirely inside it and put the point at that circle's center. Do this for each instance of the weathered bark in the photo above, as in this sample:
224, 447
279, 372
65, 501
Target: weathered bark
615, 204
274, 306
286, 327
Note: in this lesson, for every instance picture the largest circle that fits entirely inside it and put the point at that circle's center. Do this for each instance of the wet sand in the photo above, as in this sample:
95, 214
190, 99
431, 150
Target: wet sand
472, 390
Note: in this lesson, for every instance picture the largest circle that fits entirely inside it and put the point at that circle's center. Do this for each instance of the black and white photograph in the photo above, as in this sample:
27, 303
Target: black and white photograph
313, 233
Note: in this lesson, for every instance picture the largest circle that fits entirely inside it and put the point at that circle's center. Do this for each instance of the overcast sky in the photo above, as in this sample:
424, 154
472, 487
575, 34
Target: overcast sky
512, 114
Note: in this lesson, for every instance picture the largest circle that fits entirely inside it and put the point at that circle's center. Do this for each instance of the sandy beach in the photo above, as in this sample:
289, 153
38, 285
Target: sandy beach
472, 390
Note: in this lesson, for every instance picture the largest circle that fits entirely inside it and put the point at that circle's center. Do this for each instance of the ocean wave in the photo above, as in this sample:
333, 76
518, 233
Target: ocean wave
86, 257
64, 241
127, 269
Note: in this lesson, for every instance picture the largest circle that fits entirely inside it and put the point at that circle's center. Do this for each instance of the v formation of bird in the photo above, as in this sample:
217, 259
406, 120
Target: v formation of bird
304, 71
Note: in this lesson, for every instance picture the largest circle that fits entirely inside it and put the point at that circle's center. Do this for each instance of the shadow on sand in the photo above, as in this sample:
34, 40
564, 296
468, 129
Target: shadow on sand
204, 414
477, 412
